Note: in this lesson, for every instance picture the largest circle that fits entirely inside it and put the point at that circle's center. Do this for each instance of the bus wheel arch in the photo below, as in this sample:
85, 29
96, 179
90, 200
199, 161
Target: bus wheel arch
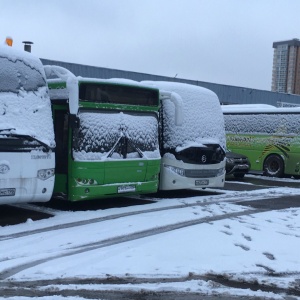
273, 166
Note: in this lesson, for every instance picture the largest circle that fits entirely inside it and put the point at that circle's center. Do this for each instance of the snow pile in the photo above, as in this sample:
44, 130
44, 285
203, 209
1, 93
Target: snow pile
202, 116
24, 102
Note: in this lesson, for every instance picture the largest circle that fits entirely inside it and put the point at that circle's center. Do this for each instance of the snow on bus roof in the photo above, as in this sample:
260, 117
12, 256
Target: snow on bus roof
13, 55
202, 116
178, 86
258, 108
57, 74
121, 81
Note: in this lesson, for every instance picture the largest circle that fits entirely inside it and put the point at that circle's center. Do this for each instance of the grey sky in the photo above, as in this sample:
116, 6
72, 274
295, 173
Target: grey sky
220, 41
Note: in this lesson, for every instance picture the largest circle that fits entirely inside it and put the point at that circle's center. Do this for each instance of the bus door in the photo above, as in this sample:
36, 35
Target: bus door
61, 154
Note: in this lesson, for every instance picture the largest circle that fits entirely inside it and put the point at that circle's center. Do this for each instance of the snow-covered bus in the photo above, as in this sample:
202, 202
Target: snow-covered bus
27, 158
193, 154
107, 136
268, 135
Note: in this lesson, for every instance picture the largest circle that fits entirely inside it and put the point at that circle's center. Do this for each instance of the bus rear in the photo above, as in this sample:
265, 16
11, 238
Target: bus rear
27, 159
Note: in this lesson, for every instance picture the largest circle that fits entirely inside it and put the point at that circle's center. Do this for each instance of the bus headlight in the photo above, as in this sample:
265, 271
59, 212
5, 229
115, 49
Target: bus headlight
86, 181
176, 170
44, 174
221, 171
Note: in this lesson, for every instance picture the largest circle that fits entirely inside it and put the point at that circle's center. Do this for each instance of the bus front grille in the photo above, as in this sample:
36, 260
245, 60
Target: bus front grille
201, 173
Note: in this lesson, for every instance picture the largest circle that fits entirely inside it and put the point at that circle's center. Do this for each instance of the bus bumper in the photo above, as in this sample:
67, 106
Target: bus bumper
172, 177
94, 192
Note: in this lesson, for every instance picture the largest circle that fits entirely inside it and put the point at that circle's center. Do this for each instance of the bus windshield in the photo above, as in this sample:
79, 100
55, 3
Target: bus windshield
20, 143
24, 100
115, 135
203, 122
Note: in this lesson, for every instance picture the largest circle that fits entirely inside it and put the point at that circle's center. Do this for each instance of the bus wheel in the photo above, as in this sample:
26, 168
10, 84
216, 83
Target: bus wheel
273, 166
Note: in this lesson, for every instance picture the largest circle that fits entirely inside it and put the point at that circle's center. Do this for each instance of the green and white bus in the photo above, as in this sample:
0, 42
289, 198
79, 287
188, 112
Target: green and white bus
268, 135
106, 134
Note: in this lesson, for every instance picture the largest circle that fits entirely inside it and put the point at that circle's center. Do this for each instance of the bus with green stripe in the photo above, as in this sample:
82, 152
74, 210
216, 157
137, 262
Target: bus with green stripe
268, 135
106, 133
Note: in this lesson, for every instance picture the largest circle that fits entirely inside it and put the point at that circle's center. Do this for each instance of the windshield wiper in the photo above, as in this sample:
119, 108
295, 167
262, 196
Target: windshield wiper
6, 129
122, 141
25, 136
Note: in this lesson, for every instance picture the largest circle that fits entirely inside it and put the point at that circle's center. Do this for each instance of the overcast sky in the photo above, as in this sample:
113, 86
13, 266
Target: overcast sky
221, 41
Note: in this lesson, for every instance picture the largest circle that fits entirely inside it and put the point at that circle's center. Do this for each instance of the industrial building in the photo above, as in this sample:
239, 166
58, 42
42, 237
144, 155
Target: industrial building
226, 93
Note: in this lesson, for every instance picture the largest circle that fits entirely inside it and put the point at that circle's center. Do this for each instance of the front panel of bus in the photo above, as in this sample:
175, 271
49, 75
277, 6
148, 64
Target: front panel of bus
26, 170
113, 148
193, 153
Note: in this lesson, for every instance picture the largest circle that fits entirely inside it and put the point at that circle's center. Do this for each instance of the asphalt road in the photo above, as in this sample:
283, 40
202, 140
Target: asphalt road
11, 215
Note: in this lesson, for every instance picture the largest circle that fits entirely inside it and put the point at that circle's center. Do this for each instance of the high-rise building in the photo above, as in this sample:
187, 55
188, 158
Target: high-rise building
286, 67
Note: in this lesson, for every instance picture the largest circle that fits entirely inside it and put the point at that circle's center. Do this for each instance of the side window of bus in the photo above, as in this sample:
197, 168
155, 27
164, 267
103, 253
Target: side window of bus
284, 124
251, 123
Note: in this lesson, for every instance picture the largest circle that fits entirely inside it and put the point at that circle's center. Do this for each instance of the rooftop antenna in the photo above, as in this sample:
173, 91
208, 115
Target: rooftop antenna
27, 46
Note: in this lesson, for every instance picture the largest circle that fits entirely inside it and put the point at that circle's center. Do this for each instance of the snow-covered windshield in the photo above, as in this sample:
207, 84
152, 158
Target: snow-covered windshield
203, 121
25, 107
116, 135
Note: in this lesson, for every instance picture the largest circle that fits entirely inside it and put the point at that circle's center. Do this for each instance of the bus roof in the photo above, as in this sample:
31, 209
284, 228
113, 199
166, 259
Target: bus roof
257, 108
57, 74
181, 88
13, 55
203, 121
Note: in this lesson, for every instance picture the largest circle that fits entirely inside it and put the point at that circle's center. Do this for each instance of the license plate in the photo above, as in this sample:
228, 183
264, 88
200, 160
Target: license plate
7, 192
126, 189
201, 182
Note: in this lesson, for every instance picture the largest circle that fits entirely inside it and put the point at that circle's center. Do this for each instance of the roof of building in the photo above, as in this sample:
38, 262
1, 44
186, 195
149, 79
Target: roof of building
227, 94
293, 42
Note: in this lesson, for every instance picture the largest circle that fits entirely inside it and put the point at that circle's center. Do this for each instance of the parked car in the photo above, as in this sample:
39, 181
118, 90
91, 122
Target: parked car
237, 164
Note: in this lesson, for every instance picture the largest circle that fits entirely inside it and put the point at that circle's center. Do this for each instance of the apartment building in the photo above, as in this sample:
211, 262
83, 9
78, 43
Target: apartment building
286, 67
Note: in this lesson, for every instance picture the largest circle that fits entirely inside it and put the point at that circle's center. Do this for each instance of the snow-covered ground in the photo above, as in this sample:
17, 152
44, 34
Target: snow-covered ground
176, 245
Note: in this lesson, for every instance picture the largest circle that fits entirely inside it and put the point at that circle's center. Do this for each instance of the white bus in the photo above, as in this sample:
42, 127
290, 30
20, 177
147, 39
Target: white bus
27, 158
193, 154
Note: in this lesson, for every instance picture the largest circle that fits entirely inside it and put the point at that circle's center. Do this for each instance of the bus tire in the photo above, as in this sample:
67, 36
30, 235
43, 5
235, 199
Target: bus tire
273, 166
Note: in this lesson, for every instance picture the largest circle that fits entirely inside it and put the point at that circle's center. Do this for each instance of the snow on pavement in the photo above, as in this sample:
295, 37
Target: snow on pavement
253, 247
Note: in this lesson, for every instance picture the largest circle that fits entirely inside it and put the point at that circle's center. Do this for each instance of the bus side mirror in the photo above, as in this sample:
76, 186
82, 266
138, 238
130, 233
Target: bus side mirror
178, 102
74, 121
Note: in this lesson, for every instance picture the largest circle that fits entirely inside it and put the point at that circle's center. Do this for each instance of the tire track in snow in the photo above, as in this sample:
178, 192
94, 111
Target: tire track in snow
227, 198
126, 238
78, 287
